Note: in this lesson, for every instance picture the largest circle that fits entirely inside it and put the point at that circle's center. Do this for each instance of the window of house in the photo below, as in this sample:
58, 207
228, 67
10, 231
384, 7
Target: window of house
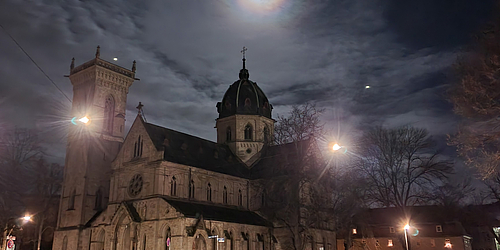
389, 243
248, 132
447, 243
391, 230
354, 231
167, 239
209, 192
224, 195
439, 229
173, 186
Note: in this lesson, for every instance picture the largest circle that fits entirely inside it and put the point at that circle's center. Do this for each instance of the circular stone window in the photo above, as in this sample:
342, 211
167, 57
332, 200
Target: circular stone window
135, 185
249, 150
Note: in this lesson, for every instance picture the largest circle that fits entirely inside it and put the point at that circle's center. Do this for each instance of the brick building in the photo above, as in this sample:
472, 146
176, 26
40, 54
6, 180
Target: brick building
161, 189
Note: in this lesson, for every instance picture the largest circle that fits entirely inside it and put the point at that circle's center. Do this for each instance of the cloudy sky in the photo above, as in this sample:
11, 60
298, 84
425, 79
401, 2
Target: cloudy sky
188, 53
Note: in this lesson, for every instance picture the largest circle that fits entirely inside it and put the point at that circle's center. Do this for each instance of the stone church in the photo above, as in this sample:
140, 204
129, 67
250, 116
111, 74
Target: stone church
160, 189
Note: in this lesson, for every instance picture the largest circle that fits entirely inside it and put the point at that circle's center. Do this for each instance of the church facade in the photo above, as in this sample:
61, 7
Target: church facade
161, 189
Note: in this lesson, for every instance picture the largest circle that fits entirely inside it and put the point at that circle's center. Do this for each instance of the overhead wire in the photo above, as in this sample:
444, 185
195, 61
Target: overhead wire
36, 64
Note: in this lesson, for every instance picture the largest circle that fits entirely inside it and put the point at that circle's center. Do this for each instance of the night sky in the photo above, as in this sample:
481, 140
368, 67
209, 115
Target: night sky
188, 53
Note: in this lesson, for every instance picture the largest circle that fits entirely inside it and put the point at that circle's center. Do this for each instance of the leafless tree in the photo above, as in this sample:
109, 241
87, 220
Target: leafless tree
475, 96
399, 166
301, 123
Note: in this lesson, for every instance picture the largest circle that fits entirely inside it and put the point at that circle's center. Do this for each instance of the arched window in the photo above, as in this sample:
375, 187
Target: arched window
144, 242
173, 186
98, 199
71, 202
109, 113
248, 103
228, 134
224, 195
266, 135
168, 238
138, 147
248, 132
191, 189
260, 242
240, 198
209, 192
65, 243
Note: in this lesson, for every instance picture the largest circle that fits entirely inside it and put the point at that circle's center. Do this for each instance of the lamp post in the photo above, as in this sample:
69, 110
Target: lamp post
406, 236
7, 232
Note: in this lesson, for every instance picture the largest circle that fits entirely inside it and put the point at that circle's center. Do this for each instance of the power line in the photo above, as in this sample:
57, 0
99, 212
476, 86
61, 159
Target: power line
26, 53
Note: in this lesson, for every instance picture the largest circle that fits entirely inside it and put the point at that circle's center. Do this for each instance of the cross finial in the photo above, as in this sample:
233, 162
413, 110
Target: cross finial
139, 107
243, 52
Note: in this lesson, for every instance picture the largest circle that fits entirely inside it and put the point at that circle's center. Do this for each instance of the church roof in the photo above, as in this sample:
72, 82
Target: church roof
217, 212
244, 97
193, 151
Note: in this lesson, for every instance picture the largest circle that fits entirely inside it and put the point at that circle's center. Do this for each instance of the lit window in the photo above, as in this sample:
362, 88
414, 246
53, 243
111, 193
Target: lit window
389, 243
447, 243
391, 229
439, 229
354, 231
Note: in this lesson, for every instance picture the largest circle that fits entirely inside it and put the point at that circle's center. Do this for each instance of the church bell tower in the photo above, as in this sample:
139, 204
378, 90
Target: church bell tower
100, 91
245, 123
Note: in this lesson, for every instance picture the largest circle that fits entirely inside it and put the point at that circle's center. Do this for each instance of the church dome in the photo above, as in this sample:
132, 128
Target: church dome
244, 97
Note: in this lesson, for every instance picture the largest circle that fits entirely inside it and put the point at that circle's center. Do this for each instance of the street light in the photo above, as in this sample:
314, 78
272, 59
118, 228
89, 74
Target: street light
336, 147
7, 236
85, 120
406, 236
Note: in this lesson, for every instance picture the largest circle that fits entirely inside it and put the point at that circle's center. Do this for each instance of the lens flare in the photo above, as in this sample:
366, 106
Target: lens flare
84, 120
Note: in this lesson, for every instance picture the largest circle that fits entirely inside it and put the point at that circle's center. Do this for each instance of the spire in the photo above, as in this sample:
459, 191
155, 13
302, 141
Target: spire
133, 68
244, 72
72, 66
98, 52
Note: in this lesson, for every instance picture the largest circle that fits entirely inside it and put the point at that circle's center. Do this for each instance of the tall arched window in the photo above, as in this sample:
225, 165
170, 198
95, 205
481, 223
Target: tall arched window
65, 243
209, 192
267, 137
224, 195
168, 238
191, 189
138, 147
173, 186
109, 113
228, 134
263, 197
240, 198
71, 202
248, 132
98, 199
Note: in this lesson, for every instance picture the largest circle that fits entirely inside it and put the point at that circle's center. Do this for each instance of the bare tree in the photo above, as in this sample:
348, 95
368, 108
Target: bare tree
475, 96
301, 123
399, 166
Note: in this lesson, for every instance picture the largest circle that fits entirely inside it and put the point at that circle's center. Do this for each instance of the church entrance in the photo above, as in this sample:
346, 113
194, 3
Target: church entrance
199, 243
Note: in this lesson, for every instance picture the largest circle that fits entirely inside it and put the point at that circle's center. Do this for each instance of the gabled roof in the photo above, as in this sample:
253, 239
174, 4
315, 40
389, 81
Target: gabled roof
193, 151
217, 212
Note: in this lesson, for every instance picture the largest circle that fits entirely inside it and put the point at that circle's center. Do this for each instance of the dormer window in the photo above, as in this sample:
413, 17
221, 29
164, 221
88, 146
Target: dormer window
248, 132
248, 103
439, 229
228, 134
138, 147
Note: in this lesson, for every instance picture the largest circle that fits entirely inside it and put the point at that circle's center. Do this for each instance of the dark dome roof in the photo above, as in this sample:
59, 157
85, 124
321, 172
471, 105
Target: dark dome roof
244, 97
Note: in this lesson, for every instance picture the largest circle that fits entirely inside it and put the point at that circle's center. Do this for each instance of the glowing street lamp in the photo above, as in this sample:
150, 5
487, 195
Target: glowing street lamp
85, 120
27, 218
336, 147
406, 236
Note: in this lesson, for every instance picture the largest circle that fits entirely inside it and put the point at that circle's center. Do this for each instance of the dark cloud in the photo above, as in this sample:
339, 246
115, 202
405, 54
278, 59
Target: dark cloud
187, 55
